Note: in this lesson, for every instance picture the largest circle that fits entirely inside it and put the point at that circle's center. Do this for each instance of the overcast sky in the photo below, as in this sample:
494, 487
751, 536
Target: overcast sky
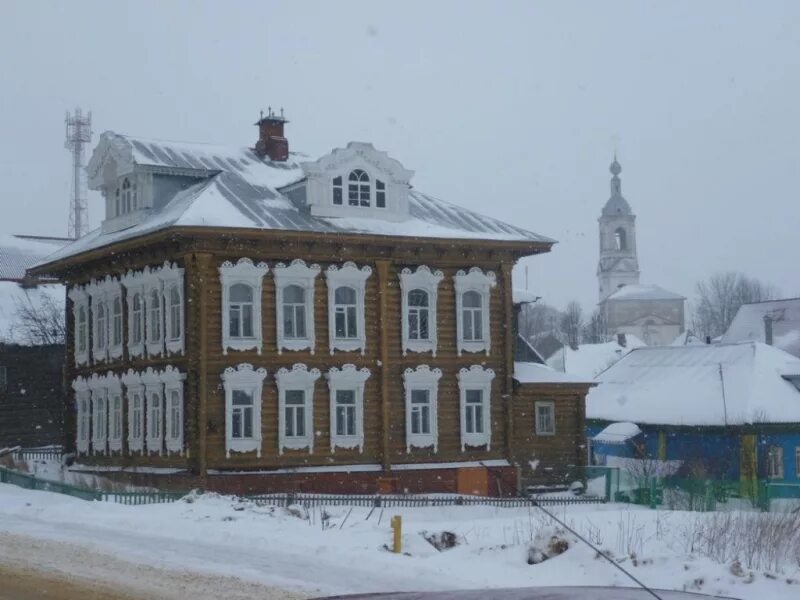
509, 108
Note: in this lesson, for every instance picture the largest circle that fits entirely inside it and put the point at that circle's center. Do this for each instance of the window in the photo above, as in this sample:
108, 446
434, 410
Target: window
473, 293
171, 277
102, 326
134, 296
295, 407
3, 378
380, 194
173, 395
775, 462
135, 395
620, 243
294, 289
83, 416
243, 387
545, 418
419, 291
346, 289
337, 190
358, 192
475, 392
421, 386
241, 304
346, 386
117, 206
137, 320
80, 312
154, 411
135, 199
115, 326
345, 313
154, 319
99, 415
115, 422
175, 320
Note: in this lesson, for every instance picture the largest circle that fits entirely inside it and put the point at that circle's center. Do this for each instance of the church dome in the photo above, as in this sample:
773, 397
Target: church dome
616, 205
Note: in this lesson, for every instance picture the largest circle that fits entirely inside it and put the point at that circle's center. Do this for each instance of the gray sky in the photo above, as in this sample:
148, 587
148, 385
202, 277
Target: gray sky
509, 108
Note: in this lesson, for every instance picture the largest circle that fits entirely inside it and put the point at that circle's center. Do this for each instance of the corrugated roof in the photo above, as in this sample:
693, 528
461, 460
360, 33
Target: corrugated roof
18, 252
242, 190
748, 324
712, 385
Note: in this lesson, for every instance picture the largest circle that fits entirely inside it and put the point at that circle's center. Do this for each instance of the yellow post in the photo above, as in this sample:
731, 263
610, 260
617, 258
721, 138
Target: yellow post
397, 530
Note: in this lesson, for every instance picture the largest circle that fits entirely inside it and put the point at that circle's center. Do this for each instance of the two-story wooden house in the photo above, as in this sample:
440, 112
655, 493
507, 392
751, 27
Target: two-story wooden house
245, 320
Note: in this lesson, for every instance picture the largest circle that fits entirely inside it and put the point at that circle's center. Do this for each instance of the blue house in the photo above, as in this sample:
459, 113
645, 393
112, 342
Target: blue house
724, 412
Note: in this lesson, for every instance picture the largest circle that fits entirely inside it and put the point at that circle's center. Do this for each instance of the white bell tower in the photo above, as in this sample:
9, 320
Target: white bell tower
618, 265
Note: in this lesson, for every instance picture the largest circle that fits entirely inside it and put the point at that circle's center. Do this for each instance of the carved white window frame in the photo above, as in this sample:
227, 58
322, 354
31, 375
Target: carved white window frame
244, 271
304, 276
134, 284
428, 281
99, 392
83, 419
113, 293
299, 378
152, 283
351, 276
97, 294
133, 387
171, 276
482, 283
114, 391
476, 378
80, 299
423, 378
173, 384
154, 441
349, 377
250, 380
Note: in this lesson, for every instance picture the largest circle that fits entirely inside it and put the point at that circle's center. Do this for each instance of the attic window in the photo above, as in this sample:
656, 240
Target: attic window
126, 196
380, 194
337, 190
358, 192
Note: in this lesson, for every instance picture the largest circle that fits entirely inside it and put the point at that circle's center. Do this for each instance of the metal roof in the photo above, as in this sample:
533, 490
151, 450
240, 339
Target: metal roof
18, 252
748, 324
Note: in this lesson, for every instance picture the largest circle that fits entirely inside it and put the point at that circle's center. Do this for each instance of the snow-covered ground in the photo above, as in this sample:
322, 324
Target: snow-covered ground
342, 550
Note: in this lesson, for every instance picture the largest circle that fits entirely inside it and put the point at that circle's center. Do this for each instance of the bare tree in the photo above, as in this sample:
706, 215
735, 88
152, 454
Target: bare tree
572, 324
538, 320
38, 319
595, 331
719, 298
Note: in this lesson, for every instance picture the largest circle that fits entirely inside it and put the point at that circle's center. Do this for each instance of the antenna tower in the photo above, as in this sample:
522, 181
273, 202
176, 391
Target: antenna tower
79, 133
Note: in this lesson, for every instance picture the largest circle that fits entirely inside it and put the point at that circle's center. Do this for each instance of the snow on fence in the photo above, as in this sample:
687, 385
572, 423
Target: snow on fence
40, 453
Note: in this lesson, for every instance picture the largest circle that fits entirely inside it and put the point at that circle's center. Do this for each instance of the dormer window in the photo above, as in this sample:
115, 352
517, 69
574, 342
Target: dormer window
126, 195
380, 194
337, 190
358, 192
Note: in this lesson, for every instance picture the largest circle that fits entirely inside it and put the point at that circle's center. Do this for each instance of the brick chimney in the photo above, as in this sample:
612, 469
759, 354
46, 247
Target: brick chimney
622, 340
768, 330
271, 142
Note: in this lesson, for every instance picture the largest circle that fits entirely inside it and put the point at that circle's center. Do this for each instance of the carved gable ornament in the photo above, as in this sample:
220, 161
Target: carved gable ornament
114, 148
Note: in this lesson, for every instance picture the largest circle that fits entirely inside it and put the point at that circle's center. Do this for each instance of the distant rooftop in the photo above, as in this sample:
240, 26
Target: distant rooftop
644, 292
18, 252
748, 324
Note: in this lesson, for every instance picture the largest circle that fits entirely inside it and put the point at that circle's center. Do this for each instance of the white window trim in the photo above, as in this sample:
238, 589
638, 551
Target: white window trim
770, 453
297, 273
348, 275
423, 279
97, 292
134, 284
476, 378
173, 381
82, 394
114, 388
245, 378
349, 377
172, 276
299, 378
133, 385
244, 271
536, 406
80, 298
422, 378
478, 281
152, 282
153, 385
97, 386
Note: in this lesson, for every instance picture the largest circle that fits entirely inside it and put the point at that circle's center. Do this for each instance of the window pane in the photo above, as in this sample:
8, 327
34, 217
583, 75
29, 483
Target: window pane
240, 292
300, 321
339, 325
351, 322
337, 180
352, 195
477, 325
294, 294
351, 421
344, 295
413, 325
419, 396
236, 423
380, 199
337, 195
242, 398
423, 324
346, 397
248, 421
426, 418
300, 424
472, 300
418, 298
247, 320
234, 320
296, 397
466, 323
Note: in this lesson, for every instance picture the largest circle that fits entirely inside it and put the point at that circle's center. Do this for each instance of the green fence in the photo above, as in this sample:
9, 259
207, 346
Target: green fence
34, 483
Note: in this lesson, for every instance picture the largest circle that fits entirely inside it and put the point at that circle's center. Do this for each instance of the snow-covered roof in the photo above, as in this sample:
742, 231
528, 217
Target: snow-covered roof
522, 296
589, 360
239, 189
748, 324
687, 338
13, 296
528, 372
18, 252
644, 292
733, 384
617, 433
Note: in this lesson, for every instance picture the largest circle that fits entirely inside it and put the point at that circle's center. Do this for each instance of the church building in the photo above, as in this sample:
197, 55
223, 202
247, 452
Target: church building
254, 320
651, 313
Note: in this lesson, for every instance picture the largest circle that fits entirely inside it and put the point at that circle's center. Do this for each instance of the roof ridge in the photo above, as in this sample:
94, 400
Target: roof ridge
765, 301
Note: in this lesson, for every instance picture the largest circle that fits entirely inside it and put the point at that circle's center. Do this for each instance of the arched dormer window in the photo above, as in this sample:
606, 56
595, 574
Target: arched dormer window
358, 192
126, 195
620, 243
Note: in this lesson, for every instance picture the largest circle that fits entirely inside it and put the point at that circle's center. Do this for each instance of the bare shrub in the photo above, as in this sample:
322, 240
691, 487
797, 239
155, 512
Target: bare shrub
630, 536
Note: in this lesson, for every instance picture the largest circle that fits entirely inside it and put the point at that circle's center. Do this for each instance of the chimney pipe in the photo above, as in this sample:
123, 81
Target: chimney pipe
768, 330
271, 142
621, 340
